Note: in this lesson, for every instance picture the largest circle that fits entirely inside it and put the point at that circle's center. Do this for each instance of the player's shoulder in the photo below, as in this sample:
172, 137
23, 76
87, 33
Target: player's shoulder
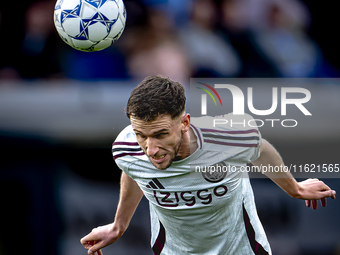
126, 135
126, 144
228, 132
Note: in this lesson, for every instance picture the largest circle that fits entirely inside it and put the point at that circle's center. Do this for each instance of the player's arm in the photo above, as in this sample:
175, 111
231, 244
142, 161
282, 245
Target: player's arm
130, 196
310, 189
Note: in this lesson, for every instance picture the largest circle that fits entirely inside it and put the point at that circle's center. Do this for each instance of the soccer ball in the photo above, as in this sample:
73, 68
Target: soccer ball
90, 25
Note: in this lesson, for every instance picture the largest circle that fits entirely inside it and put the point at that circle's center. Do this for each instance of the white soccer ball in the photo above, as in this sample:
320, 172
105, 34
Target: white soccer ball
90, 25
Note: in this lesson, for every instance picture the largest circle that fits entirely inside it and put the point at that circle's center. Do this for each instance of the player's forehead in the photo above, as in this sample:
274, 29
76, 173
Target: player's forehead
162, 122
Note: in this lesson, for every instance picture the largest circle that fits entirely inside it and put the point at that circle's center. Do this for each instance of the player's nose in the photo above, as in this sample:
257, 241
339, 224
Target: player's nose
152, 147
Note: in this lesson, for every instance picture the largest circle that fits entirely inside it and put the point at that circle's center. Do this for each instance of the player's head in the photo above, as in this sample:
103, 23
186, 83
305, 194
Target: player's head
155, 96
156, 109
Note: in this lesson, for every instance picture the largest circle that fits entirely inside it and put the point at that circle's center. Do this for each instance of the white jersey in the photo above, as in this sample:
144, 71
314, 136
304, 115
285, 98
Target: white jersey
193, 210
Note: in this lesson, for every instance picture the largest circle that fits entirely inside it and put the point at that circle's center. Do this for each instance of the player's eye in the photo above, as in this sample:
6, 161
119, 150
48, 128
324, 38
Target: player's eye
141, 136
160, 135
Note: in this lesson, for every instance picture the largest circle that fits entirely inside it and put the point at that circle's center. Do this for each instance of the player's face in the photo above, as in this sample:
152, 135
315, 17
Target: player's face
161, 139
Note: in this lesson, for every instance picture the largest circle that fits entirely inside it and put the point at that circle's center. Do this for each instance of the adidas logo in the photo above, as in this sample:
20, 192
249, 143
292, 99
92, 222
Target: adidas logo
155, 184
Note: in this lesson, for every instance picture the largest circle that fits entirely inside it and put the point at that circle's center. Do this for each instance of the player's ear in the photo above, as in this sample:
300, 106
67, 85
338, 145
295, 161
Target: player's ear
185, 122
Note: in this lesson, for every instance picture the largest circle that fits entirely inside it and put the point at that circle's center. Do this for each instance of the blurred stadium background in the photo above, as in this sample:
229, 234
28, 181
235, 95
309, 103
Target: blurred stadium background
60, 111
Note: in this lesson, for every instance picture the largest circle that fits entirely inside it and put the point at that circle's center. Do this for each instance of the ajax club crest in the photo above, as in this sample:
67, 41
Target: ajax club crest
214, 173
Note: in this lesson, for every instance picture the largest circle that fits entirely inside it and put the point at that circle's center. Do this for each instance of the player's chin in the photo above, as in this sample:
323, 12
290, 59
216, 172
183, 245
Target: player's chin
162, 164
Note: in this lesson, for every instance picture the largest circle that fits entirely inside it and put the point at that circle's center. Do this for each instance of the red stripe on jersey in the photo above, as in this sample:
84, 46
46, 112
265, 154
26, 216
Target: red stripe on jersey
231, 144
160, 241
257, 247
128, 154
125, 143
230, 132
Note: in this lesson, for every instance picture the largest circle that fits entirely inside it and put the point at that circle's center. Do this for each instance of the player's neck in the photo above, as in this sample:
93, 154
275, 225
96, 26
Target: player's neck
188, 145
193, 142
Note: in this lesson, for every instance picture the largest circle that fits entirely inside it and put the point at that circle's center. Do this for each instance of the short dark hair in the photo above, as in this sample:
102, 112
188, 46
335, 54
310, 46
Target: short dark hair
154, 96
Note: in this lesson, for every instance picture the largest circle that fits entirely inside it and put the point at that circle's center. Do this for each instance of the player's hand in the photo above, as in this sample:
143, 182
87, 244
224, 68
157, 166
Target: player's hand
100, 237
91, 243
312, 190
